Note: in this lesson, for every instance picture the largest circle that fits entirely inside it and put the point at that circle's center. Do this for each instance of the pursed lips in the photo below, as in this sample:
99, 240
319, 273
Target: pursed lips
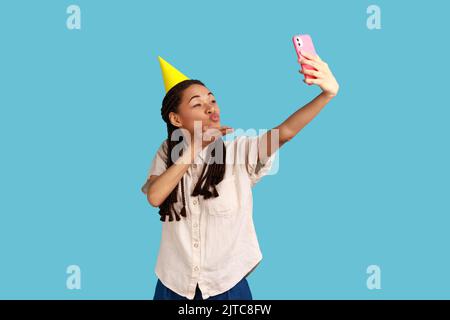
215, 117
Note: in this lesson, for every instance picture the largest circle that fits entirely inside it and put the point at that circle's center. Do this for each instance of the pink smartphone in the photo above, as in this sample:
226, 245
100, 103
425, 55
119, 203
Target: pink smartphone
303, 42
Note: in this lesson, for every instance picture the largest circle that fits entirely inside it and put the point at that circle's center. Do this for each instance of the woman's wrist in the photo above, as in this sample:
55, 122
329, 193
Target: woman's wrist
193, 151
328, 95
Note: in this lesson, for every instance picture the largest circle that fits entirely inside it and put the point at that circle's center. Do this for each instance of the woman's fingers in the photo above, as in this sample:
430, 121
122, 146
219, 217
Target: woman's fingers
213, 132
221, 129
323, 77
313, 60
310, 72
312, 63
312, 81
207, 127
226, 131
311, 56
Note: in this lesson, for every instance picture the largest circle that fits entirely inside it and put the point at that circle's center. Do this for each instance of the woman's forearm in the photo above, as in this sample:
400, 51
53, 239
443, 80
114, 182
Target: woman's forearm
275, 138
160, 188
319, 75
299, 119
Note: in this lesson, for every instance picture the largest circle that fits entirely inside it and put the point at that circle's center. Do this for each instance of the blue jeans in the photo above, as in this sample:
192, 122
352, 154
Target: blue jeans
241, 291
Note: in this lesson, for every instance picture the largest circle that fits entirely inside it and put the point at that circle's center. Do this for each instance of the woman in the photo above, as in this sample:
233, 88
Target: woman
209, 244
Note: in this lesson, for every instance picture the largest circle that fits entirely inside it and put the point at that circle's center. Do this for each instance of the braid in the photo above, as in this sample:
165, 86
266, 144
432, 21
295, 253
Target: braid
214, 171
213, 176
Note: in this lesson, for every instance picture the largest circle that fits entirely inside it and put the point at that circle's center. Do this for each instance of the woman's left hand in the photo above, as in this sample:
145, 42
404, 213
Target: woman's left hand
324, 77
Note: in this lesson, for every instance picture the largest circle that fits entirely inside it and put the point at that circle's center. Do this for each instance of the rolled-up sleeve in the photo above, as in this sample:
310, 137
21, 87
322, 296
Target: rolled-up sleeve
158, 164
255, 168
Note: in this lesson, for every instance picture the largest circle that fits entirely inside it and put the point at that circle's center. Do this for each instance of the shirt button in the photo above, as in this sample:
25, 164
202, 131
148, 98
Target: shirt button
194, 166
195, 268
195, 202
195, 225
196, 245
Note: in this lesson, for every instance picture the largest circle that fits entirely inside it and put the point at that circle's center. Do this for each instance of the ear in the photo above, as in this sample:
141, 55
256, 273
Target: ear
175, 119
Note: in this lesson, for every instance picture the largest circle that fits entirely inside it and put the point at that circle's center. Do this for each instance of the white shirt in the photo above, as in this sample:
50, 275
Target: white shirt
215, 245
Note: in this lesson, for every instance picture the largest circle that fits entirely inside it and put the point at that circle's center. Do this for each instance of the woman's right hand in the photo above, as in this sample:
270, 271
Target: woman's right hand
211, 133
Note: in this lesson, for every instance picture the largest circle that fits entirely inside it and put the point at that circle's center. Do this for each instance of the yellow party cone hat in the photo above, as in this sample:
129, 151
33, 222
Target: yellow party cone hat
171, 76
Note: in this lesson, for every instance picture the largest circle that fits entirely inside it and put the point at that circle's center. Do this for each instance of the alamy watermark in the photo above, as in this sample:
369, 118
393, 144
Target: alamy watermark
267, 145
374, 19
73, 281
73, 21
374, 280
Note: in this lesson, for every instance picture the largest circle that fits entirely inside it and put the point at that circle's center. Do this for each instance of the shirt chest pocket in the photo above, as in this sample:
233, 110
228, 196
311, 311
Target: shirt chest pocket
227, 203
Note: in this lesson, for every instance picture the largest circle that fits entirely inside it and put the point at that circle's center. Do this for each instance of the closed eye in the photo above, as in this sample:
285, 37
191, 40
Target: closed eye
199, 105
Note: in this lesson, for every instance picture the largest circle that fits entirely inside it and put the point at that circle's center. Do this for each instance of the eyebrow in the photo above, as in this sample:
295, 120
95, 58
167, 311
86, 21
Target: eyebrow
210, 93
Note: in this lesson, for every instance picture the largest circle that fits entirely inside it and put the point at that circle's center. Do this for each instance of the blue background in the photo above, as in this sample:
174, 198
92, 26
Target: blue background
366, 182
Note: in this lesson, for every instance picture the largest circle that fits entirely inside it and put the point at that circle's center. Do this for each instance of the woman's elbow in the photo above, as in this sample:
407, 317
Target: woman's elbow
154, 198
154, 201
284, 134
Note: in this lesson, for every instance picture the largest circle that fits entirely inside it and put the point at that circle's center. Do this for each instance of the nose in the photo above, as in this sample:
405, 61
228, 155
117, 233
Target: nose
210, 109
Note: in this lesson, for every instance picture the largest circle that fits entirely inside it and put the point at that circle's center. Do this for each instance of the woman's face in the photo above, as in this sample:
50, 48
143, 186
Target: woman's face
197, 104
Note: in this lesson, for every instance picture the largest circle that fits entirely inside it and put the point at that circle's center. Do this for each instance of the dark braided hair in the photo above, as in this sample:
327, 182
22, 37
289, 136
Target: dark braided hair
212, 173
